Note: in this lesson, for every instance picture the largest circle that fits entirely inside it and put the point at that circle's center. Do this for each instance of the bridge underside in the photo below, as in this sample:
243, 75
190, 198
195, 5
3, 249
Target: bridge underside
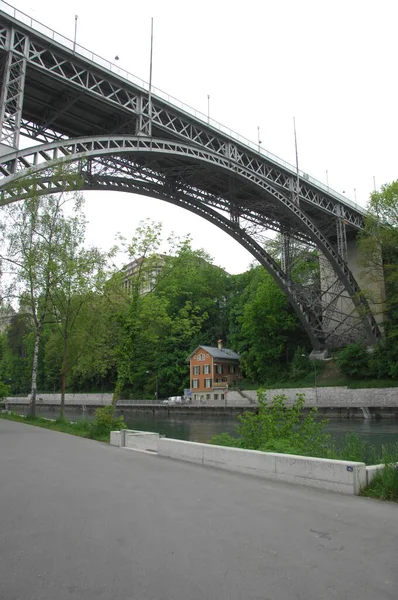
108, 128
196, 180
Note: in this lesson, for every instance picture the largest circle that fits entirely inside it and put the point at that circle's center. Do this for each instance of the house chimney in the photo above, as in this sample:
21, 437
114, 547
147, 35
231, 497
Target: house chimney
219, 343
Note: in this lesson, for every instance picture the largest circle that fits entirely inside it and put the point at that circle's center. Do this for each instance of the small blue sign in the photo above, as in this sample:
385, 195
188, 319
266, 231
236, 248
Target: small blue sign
350, 469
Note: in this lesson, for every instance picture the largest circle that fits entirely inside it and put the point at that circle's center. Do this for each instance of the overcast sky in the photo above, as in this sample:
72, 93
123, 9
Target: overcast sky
331, 64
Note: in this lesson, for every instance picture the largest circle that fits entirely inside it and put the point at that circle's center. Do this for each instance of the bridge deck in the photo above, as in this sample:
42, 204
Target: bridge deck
81, 519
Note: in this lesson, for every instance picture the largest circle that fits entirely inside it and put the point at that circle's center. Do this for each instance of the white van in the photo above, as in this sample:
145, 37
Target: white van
175, 399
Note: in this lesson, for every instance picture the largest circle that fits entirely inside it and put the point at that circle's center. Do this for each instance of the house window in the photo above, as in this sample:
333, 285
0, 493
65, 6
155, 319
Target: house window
195, 397
201, 356
208, 382
196, 370
206, 369
215, 396
222, 396
195, 383
231, 369
219, 369
208, 396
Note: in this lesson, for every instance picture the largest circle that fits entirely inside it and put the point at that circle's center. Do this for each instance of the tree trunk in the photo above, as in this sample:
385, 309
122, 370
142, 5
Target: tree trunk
32, 405
63, 378
63, 386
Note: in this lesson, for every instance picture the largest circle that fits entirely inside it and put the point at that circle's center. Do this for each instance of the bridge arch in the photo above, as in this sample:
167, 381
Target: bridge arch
134, 164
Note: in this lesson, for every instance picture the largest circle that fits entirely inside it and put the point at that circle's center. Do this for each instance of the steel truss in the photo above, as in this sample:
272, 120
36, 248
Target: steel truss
11, 97
100, 161
245, 192
84, 76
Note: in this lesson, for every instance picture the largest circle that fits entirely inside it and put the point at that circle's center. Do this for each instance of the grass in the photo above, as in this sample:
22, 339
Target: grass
79, 428
328, 374
384, 485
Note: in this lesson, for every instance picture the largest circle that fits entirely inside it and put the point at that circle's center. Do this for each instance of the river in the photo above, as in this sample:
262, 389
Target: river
202, 429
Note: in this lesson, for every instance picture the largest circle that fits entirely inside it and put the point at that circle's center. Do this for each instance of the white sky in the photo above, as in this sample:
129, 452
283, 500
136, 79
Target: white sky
331, 64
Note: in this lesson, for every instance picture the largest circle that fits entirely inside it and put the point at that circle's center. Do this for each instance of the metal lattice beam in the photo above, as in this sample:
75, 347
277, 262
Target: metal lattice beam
73, 106
33, 160
12, 88
58, 63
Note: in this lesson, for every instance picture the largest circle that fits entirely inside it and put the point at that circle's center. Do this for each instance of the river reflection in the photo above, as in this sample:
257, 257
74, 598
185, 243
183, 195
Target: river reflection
202, 429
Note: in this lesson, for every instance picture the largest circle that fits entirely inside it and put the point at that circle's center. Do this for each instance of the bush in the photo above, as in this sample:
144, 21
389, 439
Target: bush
4, 390
353, 360
300, 365
105, 422
276, 427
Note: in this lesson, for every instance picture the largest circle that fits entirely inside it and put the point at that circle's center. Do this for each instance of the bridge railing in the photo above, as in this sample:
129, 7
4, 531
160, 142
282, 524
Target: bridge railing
98, 60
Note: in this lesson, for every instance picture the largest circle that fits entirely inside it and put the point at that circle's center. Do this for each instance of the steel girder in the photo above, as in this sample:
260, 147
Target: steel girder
59, 63
100, 153
12, 89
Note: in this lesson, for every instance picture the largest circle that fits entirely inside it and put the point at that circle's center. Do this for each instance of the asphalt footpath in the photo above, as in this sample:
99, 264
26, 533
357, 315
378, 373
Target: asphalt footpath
80, 520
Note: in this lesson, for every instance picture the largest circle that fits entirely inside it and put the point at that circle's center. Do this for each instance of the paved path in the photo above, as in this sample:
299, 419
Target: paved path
82, 520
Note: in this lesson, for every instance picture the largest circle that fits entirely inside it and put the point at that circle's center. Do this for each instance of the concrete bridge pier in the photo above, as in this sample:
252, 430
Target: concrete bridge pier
341, 319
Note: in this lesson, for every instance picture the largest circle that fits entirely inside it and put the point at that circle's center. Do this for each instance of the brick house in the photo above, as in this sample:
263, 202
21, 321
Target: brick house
212, 370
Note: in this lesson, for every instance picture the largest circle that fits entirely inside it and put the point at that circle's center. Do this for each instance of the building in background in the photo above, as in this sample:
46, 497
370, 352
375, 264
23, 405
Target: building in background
144, 272
212, 371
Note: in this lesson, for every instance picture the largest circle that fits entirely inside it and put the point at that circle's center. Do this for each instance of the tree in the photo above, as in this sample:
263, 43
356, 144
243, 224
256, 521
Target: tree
378, 244
142, 253
32, 234
82, 273
266, 331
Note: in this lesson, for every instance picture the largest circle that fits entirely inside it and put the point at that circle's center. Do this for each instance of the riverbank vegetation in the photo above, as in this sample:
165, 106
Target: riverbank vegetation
97, 429
77, 323
279, 427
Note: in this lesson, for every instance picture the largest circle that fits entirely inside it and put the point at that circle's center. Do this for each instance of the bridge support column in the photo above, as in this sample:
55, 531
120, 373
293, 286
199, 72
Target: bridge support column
12, 89
341, 320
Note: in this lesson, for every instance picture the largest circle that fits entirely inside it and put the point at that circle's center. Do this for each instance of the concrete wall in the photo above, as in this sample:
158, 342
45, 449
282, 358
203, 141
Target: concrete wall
86, 399
324, 397
339, 476
142, 440
116, 438
330, 397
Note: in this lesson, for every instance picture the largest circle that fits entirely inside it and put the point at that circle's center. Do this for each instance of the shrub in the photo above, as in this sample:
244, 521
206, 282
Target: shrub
105, 422
353, 360
4, 390
276, 427
300, 365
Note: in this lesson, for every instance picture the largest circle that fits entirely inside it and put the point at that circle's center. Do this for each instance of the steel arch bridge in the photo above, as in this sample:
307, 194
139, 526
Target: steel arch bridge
123, 137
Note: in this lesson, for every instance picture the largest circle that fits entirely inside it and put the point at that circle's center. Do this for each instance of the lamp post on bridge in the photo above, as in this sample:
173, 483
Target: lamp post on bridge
74, 39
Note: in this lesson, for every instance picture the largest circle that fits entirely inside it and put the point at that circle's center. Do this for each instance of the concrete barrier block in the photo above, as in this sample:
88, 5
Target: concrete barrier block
142, 440
252, 462
116, 438
335, 475
180, 450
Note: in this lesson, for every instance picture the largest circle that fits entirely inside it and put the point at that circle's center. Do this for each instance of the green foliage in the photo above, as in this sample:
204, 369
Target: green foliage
105, 422
356, 362
4, 390
266, 330
353, 360
277, 427
300, 365
385, 483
